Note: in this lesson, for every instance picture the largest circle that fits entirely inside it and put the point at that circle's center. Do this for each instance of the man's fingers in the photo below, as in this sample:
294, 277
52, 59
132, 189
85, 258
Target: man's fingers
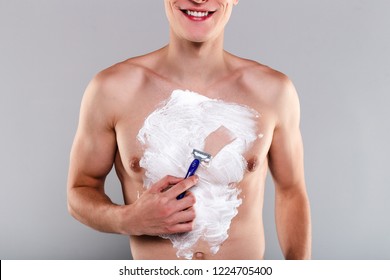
182, 186
187, 202
164, 183
186, 216
181, 228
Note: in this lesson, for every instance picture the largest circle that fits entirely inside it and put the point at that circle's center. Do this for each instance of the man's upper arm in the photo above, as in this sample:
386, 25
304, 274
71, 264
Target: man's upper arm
94, 145
286, 153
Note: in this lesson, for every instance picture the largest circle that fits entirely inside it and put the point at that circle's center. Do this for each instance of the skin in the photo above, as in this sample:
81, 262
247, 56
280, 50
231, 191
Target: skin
118, 100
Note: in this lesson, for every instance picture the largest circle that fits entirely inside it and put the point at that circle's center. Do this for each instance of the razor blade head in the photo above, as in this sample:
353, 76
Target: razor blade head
203, 157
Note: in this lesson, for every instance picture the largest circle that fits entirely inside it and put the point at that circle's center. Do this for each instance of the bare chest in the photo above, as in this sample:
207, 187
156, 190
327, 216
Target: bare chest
172, 127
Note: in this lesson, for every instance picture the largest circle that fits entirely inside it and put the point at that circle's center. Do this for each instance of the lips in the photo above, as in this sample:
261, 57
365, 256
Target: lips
197, 15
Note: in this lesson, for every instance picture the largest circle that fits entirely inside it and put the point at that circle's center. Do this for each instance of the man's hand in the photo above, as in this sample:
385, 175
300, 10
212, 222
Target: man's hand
158, 211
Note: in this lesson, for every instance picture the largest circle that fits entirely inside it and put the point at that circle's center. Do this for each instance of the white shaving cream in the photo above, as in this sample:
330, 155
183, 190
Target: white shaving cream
168, 137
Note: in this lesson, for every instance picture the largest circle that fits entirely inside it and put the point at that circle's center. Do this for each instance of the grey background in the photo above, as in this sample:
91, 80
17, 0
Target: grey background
336, 52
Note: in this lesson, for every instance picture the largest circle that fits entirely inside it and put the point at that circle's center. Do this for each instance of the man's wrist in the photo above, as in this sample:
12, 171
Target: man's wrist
124, 223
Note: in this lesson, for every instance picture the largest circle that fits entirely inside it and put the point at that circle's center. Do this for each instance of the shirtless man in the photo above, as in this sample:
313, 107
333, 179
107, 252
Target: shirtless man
120, 98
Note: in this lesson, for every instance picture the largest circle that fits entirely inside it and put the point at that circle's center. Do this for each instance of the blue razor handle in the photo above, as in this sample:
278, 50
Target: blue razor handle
191, 171
193, 167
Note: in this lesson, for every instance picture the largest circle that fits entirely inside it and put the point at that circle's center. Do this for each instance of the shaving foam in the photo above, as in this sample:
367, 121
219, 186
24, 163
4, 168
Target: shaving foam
168, 137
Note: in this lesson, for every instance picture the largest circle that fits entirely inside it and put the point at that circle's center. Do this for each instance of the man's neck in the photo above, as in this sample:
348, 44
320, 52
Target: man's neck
196, 63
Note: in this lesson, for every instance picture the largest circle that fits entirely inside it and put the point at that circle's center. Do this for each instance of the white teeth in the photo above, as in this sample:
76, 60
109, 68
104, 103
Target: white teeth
197, 14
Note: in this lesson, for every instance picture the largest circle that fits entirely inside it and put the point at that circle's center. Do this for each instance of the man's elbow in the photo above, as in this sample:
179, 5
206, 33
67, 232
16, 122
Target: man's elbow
70, 203
303, 255
70, 210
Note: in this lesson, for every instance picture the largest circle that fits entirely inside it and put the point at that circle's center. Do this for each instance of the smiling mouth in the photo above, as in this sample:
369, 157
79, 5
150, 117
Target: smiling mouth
197, 15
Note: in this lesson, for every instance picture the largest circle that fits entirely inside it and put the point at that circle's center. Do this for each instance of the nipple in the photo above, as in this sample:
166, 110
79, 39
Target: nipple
134, 165
252, 164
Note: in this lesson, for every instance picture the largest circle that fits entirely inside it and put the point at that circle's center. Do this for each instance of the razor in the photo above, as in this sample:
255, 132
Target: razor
200, 157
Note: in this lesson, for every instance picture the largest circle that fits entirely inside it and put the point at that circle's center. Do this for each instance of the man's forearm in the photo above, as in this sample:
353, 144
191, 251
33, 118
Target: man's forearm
293, 224
95, 209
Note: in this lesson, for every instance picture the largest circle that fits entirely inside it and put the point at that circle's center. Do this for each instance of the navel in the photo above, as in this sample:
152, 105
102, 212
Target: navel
199, 256
134, 165
252, 164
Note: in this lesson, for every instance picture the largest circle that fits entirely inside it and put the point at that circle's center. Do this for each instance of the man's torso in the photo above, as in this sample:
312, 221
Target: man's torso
138, 90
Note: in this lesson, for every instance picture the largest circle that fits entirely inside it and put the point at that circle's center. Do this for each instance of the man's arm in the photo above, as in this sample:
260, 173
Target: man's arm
93, 152
292, 208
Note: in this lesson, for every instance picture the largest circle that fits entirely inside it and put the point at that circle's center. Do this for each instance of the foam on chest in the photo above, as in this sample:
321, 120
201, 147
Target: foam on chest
168, 137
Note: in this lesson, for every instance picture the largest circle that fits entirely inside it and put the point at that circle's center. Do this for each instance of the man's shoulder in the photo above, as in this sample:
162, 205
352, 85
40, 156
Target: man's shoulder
268, 89
256, 73
122, 74
116, 86
120, 83
264, 81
